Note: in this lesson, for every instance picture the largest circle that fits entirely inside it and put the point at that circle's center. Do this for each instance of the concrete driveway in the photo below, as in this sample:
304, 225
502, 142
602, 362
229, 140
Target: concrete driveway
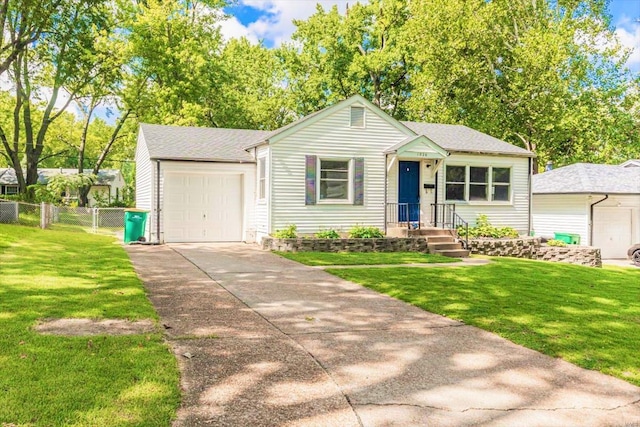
263, 341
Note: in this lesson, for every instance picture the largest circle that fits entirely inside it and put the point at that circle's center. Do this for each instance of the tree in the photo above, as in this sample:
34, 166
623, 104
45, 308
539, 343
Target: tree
174, 48
67, 57
252, 94
22, 22
547, 77
334, 56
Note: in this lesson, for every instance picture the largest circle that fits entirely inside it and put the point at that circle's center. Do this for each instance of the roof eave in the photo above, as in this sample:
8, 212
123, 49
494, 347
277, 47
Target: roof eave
527, 154
198, 159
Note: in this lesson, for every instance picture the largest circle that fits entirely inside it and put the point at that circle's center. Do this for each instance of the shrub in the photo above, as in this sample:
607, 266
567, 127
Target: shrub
361, 232
291, 232
327, 234
554, 242
484, 229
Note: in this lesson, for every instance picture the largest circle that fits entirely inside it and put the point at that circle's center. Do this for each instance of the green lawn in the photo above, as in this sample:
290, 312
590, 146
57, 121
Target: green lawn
364, 258
83, 381
587, 316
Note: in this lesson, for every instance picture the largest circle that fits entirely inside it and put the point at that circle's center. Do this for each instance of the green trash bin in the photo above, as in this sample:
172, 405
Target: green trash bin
134, 223
568, 238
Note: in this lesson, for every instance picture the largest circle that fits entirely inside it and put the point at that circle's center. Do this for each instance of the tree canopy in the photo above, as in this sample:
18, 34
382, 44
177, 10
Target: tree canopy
545, 75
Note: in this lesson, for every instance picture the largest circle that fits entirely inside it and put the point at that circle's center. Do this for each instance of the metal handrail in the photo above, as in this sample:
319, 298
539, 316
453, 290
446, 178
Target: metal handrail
398, 213
444, 215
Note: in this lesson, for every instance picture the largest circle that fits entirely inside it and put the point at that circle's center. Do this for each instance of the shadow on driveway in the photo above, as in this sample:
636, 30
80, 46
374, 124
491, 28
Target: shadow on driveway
274, 343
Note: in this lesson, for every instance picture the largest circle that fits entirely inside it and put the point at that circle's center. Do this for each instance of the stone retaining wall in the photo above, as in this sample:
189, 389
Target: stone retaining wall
581, 255
524, 247
530, 247
389, 244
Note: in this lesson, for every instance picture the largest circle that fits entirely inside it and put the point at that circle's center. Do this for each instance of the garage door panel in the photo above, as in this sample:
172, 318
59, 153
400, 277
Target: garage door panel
612, 231
202, 207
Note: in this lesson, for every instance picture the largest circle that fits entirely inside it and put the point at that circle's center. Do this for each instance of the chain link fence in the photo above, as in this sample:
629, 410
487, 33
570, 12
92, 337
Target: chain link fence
44, 215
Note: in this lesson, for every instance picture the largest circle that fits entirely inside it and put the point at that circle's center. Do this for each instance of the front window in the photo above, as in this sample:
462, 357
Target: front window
477, 184
334, 179
501, 184
11, 189
455, 182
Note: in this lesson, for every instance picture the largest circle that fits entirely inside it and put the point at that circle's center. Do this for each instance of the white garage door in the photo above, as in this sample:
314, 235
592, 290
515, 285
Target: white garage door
202, 207
612, 231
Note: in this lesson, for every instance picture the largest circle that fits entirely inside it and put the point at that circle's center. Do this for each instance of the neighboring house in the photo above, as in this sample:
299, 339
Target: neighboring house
349, 164
601, 203
8, 182
108, 186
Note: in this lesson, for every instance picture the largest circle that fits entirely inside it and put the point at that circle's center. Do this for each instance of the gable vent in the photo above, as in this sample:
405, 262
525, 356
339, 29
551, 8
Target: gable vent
357, 117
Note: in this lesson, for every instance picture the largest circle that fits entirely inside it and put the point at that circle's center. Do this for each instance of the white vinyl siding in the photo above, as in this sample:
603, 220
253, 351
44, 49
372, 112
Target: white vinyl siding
246, 171
145, 185
330, 137
569, 213
512, 213
566, 213
262, 206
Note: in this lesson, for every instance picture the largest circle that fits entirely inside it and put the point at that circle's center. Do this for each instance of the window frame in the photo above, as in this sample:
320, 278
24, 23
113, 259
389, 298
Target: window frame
349, 182
364, 117
262, 178
14, 188
501, 184
490, 185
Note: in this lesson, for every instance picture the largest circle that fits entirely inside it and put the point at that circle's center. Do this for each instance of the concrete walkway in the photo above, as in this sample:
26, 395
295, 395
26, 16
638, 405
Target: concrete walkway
263, 341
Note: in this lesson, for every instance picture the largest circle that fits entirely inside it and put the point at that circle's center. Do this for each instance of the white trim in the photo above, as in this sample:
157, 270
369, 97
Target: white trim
489, 184
350, 179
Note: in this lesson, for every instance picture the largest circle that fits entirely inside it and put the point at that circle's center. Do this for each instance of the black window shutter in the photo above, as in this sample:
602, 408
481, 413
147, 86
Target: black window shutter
310, 180
358, 181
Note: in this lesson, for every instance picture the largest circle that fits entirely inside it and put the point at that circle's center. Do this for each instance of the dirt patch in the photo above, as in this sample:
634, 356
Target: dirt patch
81, 327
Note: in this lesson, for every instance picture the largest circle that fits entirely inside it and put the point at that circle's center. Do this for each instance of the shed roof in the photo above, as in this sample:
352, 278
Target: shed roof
198, 143
588, 178
459, 138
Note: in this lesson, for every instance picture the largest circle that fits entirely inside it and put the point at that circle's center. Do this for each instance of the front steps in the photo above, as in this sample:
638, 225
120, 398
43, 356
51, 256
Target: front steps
439, 241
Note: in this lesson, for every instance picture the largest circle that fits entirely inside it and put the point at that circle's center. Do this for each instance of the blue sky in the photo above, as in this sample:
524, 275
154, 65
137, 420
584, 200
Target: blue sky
270, 21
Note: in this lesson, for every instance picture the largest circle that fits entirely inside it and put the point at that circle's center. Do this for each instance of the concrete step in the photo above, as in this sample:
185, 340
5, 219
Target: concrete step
454, 253
432, 231
440, 239
443, 246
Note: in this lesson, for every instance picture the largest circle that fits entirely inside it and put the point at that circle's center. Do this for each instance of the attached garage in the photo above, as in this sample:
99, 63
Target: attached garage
198, 184
201, 207
601, 203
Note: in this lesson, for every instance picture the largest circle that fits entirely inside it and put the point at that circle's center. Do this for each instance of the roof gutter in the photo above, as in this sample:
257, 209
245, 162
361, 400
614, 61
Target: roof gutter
591, 218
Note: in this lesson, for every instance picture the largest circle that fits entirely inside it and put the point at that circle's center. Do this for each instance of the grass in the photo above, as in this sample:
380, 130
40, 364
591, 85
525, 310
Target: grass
587, 316
364, 258
77, 381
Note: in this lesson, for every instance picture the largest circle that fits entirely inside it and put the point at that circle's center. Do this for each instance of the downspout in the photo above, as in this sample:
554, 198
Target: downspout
158, 201
386, 184
529, 220
434, 220
591, 218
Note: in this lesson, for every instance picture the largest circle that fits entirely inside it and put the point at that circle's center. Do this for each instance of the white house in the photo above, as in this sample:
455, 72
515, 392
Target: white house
349, 164
108, 185
601, 203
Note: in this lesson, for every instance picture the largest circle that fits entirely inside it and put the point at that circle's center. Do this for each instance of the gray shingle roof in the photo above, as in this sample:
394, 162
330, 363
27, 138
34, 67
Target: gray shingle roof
195, 143
458, 138
581, 178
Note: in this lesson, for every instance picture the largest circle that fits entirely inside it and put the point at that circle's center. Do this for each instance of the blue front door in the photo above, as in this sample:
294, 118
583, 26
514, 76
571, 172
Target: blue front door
409, 192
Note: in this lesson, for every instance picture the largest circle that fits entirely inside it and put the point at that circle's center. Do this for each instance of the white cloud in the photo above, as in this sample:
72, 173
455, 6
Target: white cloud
275, 26
630, 39
231, 28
